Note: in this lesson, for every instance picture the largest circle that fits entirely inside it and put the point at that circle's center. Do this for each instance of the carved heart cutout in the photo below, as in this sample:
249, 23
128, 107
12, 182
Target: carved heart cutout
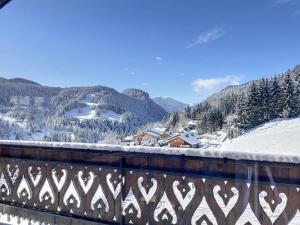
248, 217
99, 200
115, 191
203, 214
24, 191
46, 194
273, 213
35, 174
4, 188
59, 178
131, 201
71, 197
184, 201
226, 203
86, 182
164, 208
13, 172
147, 195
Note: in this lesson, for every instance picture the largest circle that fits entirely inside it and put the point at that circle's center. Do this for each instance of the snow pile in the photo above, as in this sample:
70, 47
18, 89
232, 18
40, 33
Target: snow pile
279, 137
213, 139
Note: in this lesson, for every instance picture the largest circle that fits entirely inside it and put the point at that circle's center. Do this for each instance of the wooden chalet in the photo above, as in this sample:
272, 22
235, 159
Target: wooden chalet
184, 140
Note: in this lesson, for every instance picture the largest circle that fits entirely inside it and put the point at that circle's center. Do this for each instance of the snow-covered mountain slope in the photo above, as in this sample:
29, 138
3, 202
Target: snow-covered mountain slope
276, 137
82, 114
170, 104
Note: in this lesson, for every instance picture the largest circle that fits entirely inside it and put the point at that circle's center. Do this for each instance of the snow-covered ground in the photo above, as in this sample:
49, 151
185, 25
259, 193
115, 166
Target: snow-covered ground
213, 139
111, 115
12, 120
279, 137
89, 111
82, 113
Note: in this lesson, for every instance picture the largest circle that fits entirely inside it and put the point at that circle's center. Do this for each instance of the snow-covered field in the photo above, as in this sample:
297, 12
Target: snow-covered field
279, 137
89, 112
82, 113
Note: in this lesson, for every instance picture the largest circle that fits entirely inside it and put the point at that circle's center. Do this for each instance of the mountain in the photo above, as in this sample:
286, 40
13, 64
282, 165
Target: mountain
29, 110
216, 98
170, 104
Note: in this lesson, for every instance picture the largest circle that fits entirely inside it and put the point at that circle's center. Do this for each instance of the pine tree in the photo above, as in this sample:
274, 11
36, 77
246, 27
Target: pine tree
188, 112
298, 94
289, 97
276, 104
203, 124
174, 119
261, 101
252, 110
240, 112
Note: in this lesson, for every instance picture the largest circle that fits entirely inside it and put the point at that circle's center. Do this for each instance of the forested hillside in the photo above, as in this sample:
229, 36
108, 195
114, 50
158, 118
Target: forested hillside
83, 114
240, 108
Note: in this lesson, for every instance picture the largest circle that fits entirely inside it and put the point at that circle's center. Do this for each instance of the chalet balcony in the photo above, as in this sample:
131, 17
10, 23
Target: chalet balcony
53, 183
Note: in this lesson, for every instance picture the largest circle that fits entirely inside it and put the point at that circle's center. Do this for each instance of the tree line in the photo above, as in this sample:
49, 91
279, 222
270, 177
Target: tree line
268, 99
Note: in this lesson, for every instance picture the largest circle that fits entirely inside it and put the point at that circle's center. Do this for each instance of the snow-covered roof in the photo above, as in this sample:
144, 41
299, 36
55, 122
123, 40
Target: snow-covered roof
128, 138
192, 123
190, 138
158, 130
183, 129
152, 133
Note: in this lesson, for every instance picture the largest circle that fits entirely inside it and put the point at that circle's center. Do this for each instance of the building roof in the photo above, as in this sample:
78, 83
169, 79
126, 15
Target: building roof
189, 138
156, 132
192, 123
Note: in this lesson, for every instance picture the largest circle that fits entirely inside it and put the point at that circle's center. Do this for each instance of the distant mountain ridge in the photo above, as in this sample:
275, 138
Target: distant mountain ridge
170, 104
86, 114
18, 80
243, 88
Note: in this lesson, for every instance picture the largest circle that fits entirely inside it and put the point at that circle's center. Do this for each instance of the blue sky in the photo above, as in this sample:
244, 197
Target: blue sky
178, 48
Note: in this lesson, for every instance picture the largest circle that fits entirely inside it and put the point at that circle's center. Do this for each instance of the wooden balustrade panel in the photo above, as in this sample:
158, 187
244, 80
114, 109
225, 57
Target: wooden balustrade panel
130, 196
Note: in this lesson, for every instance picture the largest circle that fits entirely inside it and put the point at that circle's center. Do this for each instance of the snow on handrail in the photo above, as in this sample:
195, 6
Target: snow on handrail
209, 153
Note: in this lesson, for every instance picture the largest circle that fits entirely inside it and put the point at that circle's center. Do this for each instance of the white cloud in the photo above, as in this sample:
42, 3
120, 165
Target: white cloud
209, 86
208, 36
145, 84
278, 2
158, 59
296, 13
129, 71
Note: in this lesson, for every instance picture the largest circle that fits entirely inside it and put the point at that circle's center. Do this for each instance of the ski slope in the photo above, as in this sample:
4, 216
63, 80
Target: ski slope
279, 137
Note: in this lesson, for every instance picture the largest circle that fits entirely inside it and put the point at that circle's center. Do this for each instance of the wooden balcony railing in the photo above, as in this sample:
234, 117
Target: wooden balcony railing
55, 185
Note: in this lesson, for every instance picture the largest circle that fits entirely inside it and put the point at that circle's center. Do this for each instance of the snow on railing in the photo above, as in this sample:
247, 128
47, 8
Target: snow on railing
198, 152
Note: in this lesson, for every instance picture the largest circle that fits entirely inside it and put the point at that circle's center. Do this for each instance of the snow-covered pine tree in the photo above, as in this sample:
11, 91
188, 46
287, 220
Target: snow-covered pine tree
264, 100
174, 119
298, 94
289, 97
252, 109
276, 104
240, 112
203, 124
188, 112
